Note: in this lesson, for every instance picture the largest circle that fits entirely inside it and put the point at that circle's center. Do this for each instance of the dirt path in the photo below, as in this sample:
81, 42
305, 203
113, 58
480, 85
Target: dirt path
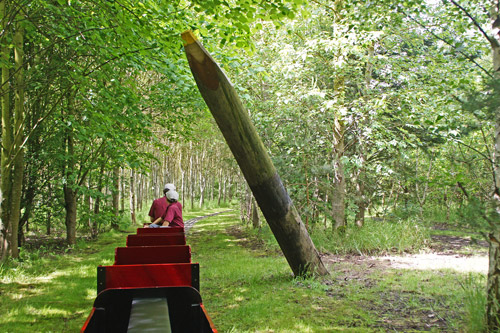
401, 309
446, 252
400, 306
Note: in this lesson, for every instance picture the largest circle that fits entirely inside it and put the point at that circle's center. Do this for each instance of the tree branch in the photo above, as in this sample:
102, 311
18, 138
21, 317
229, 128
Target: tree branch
492, 41
117, 57
468, 57
474, 149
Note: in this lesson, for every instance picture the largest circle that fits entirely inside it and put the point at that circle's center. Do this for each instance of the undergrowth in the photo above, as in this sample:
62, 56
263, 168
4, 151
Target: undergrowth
375, 237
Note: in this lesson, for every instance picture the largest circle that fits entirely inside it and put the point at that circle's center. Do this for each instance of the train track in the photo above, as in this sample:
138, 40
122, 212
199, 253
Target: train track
190, 223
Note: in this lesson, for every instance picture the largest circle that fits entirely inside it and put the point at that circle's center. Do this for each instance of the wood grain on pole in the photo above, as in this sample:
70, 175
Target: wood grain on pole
253, 159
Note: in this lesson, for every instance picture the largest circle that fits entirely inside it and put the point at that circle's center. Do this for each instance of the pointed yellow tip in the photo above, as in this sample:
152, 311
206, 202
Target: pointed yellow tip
189, 37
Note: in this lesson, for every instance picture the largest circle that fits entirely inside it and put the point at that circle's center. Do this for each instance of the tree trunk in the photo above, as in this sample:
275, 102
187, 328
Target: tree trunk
122, 190
70, 206
87, 202
224, 190
255, 163
97, 204
48, 224
182, 172
29, 196
202, 189
69, 193
132, 197
338, 193
255, 215
191, 176
17, 179
115, 192
493, 285
7, 135
219, 193
359, 219
360, 200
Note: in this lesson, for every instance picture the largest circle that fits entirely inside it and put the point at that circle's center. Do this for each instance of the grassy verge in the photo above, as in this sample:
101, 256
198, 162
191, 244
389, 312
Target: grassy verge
46, 292
375, 237
53, 289
247, 286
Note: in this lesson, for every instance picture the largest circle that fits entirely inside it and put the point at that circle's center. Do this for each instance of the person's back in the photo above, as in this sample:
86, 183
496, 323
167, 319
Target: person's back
173, 214
159, 206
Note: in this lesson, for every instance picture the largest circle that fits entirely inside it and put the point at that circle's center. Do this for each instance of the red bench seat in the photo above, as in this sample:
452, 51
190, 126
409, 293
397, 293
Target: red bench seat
161, 254
153, 240
155, 231
148, 276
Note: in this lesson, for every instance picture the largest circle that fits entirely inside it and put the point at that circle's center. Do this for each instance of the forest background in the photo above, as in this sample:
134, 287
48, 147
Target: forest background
385, 109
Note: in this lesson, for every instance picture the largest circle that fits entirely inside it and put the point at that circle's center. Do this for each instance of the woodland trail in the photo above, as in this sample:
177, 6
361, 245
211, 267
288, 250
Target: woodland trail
191, 222
444, 252
461, 254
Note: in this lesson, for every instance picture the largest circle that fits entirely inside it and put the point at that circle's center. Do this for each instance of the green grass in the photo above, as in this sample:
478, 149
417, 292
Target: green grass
247, 286
53, 293
46, 291
474, 302
375, 237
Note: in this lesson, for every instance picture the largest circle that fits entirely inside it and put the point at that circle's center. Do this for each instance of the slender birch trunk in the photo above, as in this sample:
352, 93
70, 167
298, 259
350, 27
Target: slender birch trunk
115, 193
132, 196
338, 194
70, 195
5, 195
493, 284
122, 190
18, 164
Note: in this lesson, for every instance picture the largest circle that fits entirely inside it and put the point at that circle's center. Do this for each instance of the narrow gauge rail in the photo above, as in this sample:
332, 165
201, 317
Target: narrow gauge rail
152, 287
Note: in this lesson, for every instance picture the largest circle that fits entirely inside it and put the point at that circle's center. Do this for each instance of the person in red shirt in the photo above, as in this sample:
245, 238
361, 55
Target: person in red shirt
173, 214
159, 206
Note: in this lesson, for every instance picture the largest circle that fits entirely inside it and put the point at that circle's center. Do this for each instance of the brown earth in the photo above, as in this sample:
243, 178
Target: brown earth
445, 252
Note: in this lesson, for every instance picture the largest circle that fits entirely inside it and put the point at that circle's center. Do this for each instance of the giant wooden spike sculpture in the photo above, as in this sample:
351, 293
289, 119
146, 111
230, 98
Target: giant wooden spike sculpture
252, 157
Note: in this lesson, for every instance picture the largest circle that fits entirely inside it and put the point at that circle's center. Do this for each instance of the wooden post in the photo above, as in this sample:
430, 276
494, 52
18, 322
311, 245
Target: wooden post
252, 157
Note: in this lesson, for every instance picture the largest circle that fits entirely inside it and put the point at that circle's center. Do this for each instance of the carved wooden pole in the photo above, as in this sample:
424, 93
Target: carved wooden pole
252, 157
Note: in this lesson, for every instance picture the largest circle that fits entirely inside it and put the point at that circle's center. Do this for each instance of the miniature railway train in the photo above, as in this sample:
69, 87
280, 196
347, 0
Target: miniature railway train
152, 287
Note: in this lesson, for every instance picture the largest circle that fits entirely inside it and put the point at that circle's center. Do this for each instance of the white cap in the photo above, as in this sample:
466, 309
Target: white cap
172, 195
169, 187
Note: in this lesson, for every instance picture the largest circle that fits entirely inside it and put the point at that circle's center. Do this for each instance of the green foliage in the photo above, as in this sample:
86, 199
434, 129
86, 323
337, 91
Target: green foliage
473, 215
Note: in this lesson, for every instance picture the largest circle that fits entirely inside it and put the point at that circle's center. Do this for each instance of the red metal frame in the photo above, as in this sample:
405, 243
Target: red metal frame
112, 307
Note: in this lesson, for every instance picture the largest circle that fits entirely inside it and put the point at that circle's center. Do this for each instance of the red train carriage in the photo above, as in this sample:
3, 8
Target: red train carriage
152, 286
